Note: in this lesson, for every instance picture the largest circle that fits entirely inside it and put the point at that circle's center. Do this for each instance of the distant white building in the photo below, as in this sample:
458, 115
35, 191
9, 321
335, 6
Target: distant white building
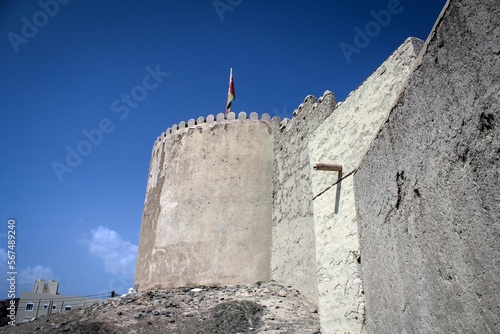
45, 299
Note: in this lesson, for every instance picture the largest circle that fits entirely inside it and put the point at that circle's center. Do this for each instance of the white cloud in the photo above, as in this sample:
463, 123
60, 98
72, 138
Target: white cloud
29, 275
119, 255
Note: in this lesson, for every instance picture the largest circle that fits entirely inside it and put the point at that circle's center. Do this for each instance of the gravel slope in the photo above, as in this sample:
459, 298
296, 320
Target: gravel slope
259, 308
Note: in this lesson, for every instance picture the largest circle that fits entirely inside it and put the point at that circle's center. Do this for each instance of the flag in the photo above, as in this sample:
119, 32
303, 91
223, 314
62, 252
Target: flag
230, 94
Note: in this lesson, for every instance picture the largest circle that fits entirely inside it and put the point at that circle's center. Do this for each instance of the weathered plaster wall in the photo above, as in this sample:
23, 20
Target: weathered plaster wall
208, 210
293, 257
343, 138
428, 191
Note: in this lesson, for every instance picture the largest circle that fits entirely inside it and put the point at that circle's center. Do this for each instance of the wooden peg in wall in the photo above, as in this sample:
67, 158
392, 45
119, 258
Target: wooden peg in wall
328, 167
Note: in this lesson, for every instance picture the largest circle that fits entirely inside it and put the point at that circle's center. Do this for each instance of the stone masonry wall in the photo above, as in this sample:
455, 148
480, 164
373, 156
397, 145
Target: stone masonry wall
343, 138
293, 255
428, 191
207, 215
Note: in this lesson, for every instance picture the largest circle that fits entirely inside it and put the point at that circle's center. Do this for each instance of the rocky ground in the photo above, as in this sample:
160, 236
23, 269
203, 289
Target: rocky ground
259, 308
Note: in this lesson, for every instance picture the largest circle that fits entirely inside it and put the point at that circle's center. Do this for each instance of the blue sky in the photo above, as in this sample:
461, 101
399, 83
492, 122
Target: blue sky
121, 72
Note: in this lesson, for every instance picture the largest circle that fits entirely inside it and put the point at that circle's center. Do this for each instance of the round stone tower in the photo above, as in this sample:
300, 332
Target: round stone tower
208, 209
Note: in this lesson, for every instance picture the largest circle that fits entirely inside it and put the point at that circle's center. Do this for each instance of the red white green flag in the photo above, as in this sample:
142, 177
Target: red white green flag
230, 94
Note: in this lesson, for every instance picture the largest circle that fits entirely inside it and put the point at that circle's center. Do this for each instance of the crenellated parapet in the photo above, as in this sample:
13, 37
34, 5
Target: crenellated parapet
310, 105
209, 122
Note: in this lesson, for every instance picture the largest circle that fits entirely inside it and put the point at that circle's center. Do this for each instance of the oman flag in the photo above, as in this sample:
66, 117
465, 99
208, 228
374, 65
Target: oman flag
230, 94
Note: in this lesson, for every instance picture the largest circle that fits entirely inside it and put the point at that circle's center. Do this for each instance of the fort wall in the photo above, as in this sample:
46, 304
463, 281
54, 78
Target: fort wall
427, 192
293, 255
343, 138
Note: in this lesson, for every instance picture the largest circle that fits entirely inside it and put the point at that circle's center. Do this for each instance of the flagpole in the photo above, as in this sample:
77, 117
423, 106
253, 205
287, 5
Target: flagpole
229, 90
229, 85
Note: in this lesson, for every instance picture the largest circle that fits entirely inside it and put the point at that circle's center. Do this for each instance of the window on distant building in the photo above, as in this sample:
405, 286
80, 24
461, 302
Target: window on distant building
29, 306
67, 308
54, 306
45, 305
